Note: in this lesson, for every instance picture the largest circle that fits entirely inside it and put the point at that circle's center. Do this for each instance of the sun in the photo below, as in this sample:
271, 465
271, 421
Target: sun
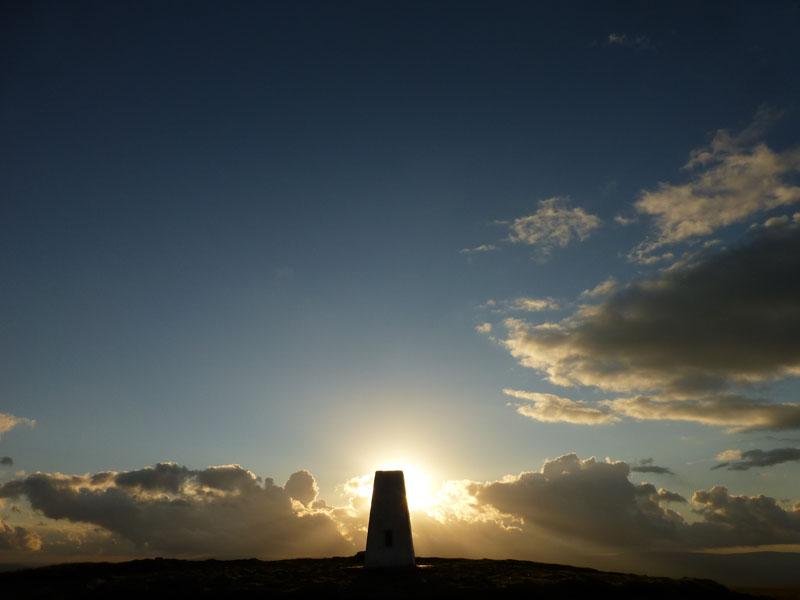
418, 485
418, 492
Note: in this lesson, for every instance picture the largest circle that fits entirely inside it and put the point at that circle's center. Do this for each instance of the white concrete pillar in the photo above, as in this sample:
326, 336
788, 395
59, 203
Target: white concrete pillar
389, 535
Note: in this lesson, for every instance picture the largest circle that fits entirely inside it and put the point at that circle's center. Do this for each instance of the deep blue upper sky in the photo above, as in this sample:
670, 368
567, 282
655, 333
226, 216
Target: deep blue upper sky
231, 233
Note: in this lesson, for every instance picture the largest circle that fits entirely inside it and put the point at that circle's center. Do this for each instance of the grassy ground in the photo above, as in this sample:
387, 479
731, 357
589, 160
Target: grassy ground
344, 578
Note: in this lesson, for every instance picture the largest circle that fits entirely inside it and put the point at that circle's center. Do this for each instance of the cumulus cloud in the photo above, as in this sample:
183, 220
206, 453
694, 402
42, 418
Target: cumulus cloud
8, 422
550, 408
569, 506
18, 538
686, 341
743, 520
594, 505
586, 500
6, 461
302, 487
533, 304
221, 511
737, 460
553, 225
734, 177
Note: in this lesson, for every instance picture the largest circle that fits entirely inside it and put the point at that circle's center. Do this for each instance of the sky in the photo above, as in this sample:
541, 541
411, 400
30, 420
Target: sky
542, 256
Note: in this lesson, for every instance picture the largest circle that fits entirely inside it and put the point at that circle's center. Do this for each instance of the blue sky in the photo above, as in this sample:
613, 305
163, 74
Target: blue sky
265, 235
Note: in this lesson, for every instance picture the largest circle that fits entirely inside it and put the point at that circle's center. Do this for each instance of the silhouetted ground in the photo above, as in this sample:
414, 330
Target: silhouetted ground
345, 578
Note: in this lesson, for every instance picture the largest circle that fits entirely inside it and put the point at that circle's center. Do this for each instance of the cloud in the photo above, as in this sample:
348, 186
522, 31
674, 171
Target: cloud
302, 487
686, 340
221, 511
477, 249
730, 455
639, 41
588, 501
8, 422
6, 461
733, 177
594, 505
568, 508
18, 538
601, 289
740, 413
737, 460
624, 221
553, 225
484, 328
742, 520
646, 466
533, 304
550, 408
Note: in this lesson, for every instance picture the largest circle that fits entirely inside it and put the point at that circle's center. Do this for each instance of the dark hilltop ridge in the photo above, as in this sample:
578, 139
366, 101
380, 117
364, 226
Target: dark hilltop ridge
345, 578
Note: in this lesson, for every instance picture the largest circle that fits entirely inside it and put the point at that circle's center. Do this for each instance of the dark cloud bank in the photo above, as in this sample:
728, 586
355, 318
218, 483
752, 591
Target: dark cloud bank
688, 344
570, 505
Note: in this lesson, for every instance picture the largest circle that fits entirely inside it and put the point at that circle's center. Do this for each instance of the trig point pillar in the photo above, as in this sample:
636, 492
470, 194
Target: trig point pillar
389, 536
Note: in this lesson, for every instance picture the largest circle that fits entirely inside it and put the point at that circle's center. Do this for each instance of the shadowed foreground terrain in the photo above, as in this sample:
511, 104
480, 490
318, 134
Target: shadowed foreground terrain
344, 578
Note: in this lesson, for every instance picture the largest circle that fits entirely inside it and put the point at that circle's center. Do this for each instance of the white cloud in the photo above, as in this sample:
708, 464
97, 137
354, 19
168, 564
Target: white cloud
553, 224
477, 249
8, 422
533, 304
624, 221
484, 328
730, 455
734, 177
550, 408
601, 289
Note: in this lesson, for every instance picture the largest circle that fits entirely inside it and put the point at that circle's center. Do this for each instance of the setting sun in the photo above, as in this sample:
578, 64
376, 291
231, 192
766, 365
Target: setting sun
418, 491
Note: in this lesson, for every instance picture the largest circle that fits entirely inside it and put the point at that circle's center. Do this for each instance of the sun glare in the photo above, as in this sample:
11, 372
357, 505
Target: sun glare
418, 492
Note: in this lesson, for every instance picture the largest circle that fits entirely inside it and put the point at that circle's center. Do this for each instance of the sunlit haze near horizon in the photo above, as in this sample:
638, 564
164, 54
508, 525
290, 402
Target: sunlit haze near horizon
544, 258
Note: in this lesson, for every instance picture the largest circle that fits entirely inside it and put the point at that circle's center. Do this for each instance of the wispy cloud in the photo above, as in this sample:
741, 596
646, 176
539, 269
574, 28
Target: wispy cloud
554, 224
646, 466
550, 408
478, 249
8, 422
735, 176
639, 41
533, 304
738, 460
601, 289
624, 221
